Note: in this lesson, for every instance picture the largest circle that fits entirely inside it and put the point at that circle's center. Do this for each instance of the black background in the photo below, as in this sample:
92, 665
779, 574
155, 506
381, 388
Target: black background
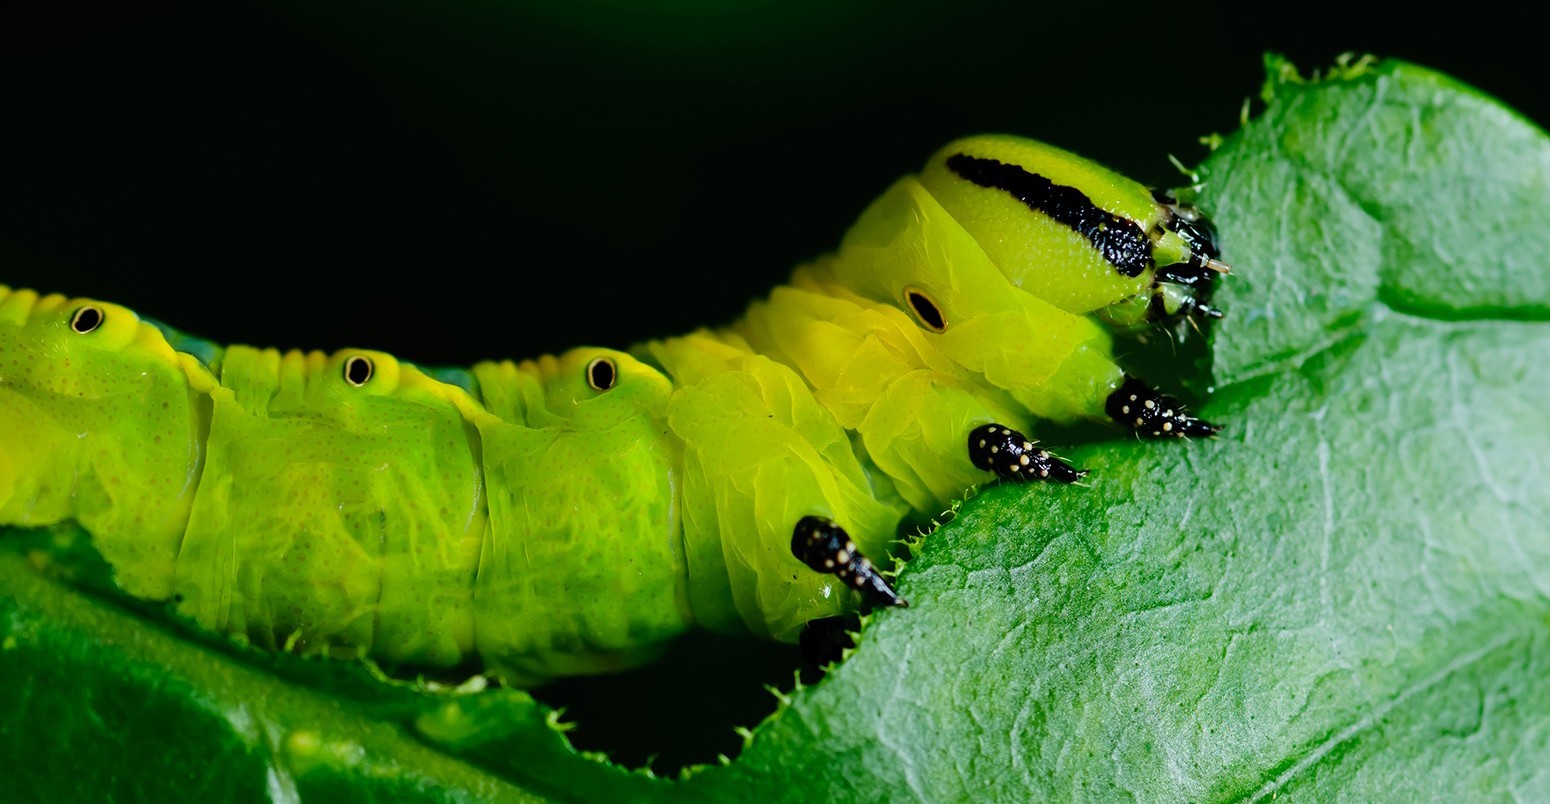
456, 181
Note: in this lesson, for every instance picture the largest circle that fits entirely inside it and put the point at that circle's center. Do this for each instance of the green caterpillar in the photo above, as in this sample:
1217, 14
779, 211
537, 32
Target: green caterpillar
572, 514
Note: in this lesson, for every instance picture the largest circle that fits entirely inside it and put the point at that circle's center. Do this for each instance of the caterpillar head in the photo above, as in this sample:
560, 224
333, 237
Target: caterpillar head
1067, 229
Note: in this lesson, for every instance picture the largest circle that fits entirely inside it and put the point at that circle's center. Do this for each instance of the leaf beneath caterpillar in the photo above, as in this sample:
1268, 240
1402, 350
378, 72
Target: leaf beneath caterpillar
1348, 591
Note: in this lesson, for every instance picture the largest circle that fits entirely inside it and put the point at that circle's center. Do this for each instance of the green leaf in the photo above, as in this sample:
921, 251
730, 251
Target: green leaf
1347, 593
95, 702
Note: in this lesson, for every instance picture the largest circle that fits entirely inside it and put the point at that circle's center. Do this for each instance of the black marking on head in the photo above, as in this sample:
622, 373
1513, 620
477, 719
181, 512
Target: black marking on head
825, 547
602, 374
1153, 414
1013, 456
1120, 240
358, 370
926, 311
86, 319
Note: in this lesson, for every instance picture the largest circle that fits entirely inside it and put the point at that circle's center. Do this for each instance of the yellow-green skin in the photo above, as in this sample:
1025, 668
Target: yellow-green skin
535, 524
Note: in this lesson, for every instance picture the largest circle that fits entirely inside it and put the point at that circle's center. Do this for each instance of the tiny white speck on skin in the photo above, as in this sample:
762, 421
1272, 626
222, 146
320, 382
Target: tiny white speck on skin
1043, 454
1167, 426
843, 557
1027, 445
994, 450
1132, 397
1016, 468
1043, 473
1139, 422
1150, 404
1168, 412
982, 442
1023, 460
1125, 409
828, 563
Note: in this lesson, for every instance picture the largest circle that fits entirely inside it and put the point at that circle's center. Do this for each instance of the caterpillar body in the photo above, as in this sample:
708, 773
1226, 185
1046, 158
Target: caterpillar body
572, 513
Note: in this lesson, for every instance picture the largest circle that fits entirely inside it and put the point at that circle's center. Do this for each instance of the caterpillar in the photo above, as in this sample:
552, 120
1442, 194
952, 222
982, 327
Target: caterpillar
571, 514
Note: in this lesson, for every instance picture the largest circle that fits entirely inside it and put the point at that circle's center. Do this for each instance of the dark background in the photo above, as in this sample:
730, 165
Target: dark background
456, 181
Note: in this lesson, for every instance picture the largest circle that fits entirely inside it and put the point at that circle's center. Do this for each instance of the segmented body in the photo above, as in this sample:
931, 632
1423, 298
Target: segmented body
571, 514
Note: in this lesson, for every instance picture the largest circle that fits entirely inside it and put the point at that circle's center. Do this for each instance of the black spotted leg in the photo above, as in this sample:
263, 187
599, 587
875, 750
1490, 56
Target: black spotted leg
1153, 414
825, 547
1013, 456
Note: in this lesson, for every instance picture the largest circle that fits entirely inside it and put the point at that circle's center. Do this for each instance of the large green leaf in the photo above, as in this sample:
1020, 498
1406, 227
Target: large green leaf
1346, 593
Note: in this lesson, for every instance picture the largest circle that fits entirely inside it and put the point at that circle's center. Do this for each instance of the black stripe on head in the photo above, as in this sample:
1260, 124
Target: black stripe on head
1119, 240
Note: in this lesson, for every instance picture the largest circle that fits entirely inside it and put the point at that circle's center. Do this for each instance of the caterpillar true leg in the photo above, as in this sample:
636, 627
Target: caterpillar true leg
1152, 413
824, 546
1013, 456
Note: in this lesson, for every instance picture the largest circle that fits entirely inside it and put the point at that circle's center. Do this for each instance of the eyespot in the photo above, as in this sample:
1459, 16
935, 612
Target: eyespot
358, 370
86, 319
602, 374
926, 311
